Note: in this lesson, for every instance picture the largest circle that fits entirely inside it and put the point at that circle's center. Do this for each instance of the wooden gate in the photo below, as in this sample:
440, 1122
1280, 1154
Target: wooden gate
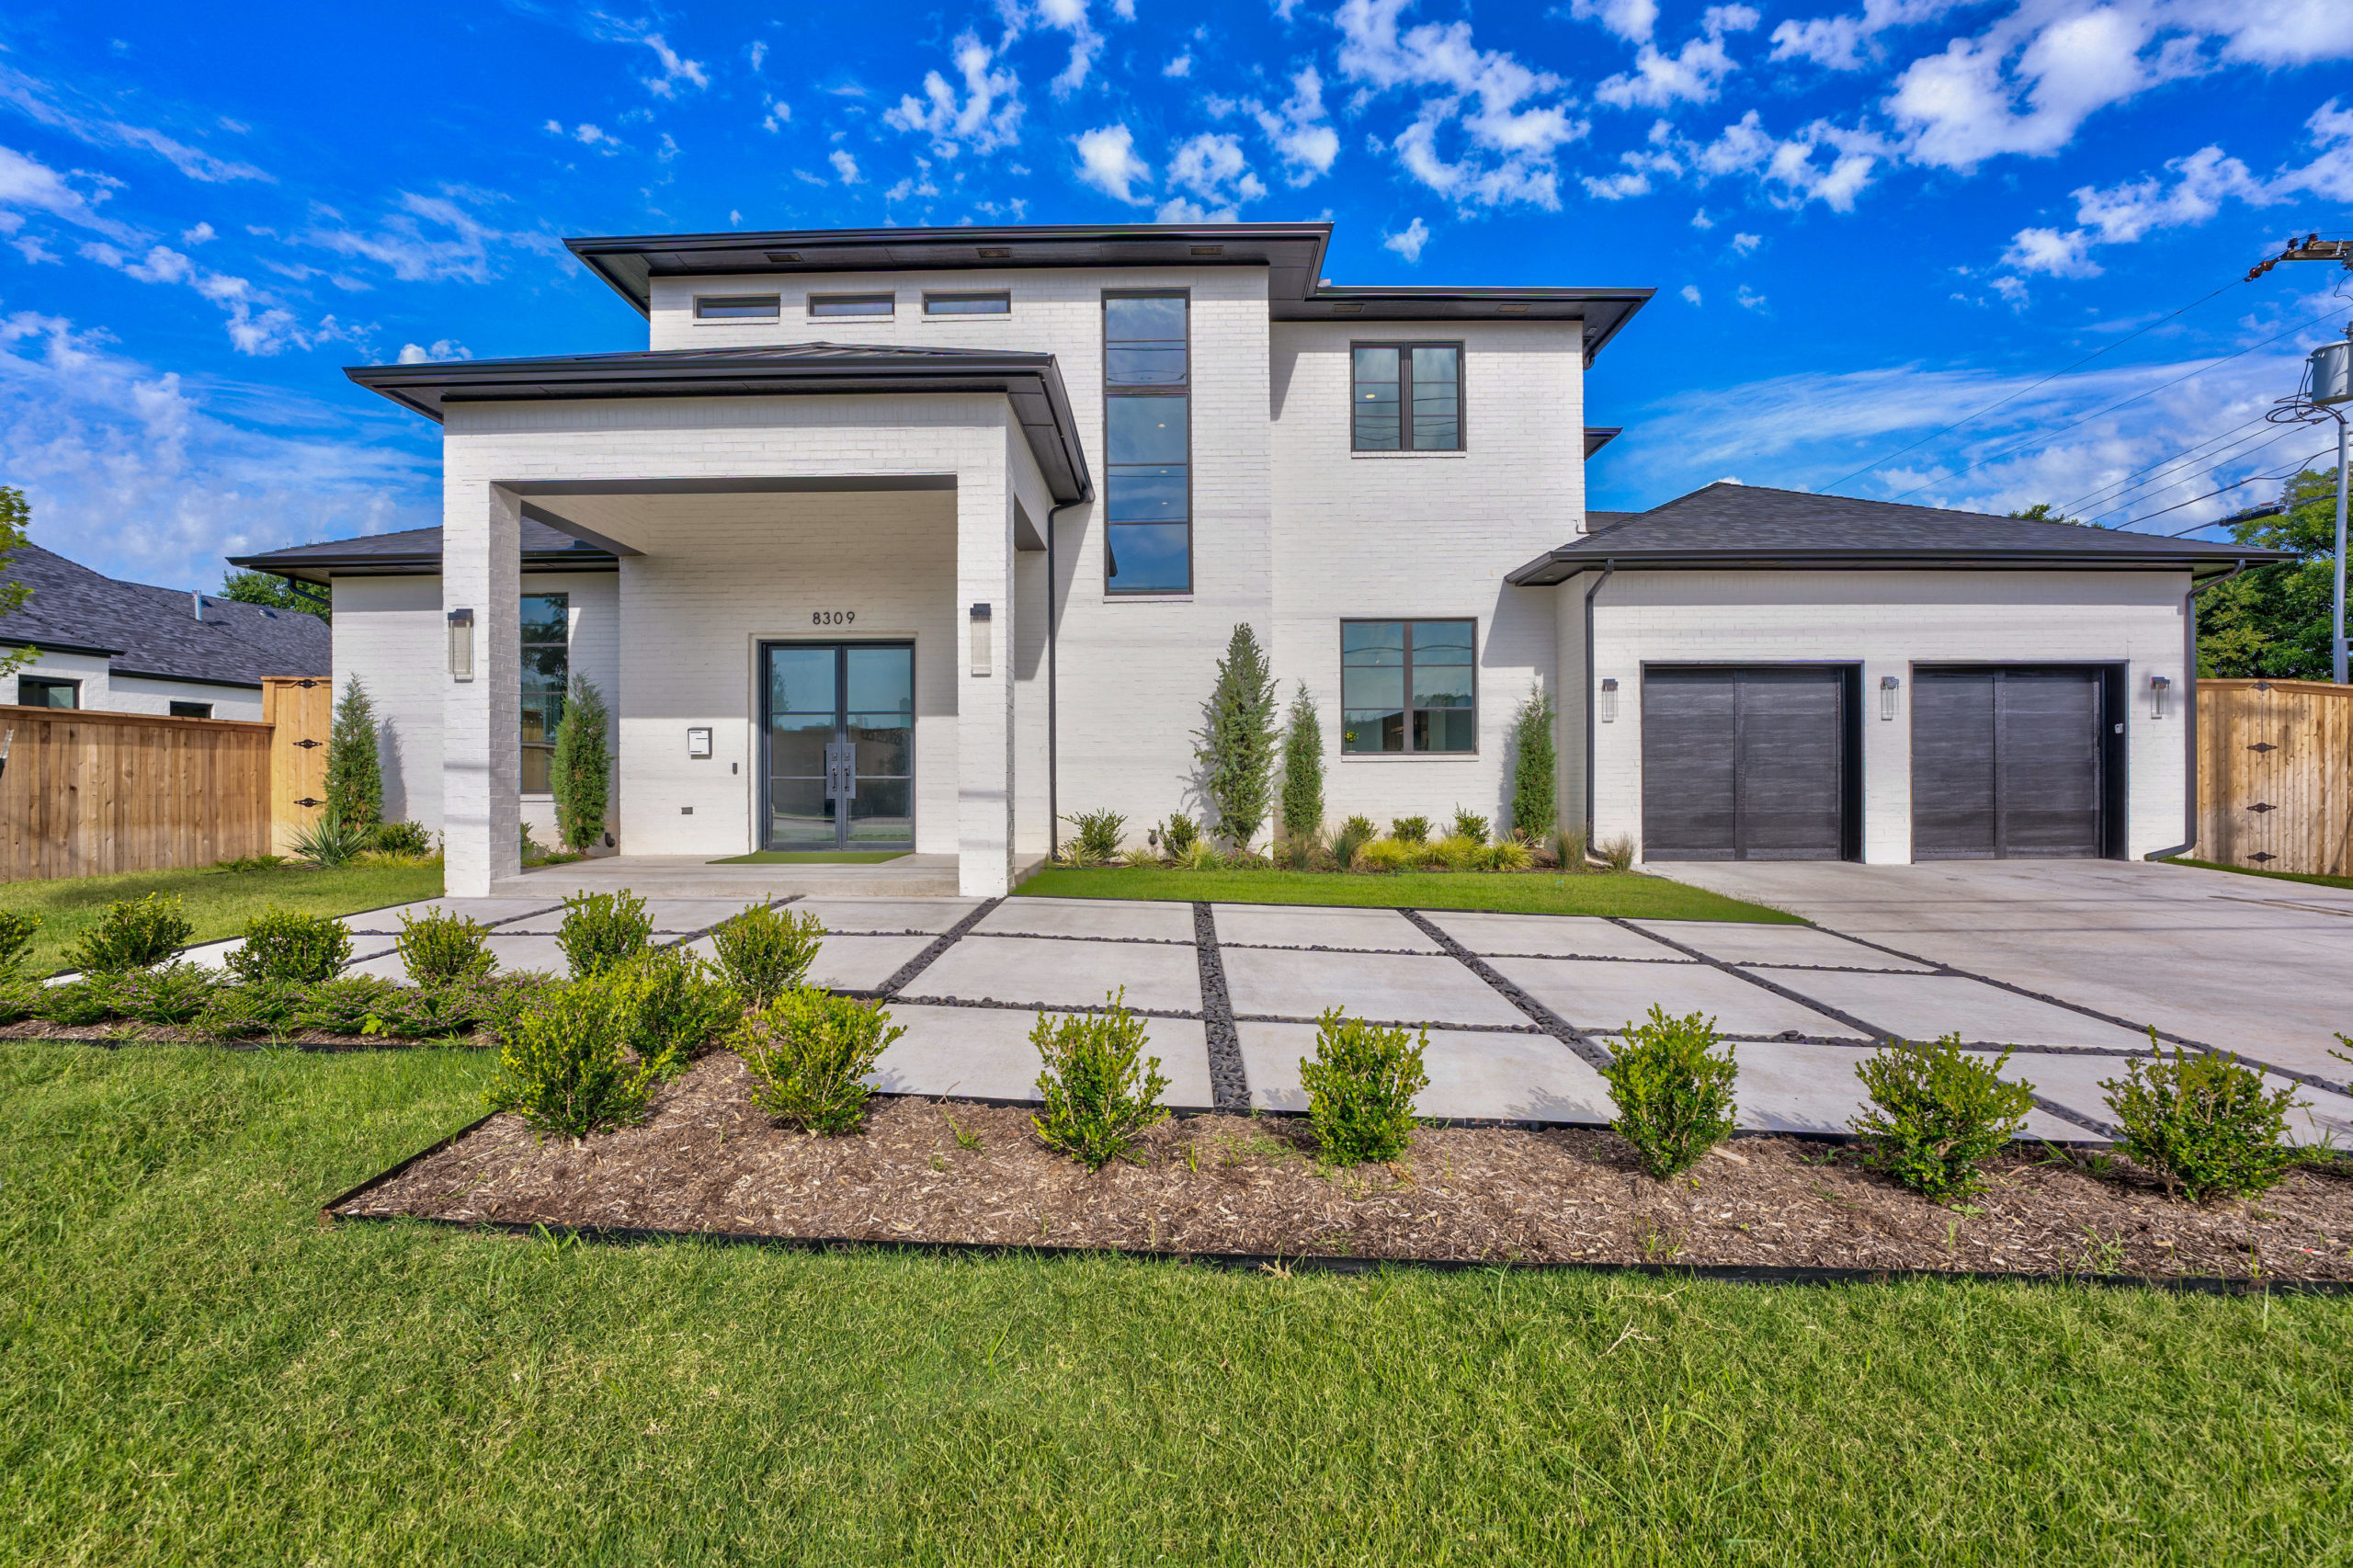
84, 792
2275, 774
301, 711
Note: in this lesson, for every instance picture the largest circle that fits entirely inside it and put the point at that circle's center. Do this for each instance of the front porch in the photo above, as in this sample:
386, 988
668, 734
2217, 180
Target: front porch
693, 876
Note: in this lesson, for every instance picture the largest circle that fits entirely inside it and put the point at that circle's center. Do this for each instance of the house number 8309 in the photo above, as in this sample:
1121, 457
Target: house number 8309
832, 617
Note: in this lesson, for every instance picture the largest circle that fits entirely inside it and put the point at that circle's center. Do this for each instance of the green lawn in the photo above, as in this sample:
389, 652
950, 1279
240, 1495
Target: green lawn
192, 1370
1630, 894
2311, 878
219, 902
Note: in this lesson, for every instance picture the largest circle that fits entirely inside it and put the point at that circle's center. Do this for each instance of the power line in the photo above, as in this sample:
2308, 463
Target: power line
2046, 434
2128, 481
2023, 390
2123, 506
2250, 478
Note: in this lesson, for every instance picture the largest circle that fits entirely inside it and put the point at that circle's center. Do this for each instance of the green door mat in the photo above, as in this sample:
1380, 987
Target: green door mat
814, 857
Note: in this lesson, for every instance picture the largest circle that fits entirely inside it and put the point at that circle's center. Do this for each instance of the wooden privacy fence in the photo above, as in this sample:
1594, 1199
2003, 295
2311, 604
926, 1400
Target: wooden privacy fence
85, 792
299, 708
2275, 774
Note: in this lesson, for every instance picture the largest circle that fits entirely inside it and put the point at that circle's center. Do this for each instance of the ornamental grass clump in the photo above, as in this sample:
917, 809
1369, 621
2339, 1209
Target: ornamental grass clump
133, 933
601, 930
1101, 1093
809, 1052
1360, 1087
439, 948
1352, 836
1674, 1093
765, 951
2203, 1124
282, 944
564, 1066
1388, 854
1936, 1113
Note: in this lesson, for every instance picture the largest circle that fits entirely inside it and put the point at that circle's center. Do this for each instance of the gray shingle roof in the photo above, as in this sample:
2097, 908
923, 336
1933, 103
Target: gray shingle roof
154, 632
417, 550
1728, 523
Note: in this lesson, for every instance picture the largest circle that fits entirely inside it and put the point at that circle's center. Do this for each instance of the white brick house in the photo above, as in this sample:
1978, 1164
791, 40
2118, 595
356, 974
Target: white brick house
913, 537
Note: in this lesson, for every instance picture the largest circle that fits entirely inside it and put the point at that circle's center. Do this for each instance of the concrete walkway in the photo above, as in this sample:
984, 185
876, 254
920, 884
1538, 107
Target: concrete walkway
1522, 1009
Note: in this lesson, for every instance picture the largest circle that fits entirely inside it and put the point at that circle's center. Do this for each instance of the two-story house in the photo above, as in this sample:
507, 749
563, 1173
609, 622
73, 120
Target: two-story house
916, 538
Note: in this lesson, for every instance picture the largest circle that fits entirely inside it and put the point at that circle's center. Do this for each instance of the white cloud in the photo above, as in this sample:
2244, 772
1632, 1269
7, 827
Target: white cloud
29, 185
917, 184
676, 68
845, 166
1743, 243
1691, 292
1298, 130
198, 235
1691, 76
1847, 43
1749, 299
94, 438
988, 118
1499, 103
1788, 169
428, 237
758, 52
1107, 161
1180, 66
1700, 220
778, 115
443, 349
61, 108
1068, 16
1629, 19
1409, 242
1211, 166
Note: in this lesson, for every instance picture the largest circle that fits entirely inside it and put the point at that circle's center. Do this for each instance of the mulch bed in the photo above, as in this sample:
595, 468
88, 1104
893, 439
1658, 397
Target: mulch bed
958, 1172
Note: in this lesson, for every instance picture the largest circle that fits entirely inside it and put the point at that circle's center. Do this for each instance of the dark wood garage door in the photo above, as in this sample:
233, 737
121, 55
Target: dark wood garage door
1745, 763
2009, 762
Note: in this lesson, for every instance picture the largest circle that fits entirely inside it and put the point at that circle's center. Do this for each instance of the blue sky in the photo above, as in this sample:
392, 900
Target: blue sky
1864, 224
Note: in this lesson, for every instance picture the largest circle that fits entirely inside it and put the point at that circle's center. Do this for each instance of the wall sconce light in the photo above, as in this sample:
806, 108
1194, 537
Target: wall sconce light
980, 640
698, 741
2160, 695
461, 645
1888, 687
1610, 699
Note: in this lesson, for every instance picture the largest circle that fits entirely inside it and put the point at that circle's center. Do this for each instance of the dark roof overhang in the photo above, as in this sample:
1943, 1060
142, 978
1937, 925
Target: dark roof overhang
1560, 565
1031, 382
1292, 254
1599, 436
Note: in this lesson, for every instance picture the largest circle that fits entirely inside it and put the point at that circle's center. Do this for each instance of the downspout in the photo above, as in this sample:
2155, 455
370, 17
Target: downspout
1053, 798
2189, 714
1609, 567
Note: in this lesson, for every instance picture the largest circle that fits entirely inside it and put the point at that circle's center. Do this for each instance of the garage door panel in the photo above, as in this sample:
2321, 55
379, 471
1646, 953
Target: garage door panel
1791, 752
1953, 765
1689, 785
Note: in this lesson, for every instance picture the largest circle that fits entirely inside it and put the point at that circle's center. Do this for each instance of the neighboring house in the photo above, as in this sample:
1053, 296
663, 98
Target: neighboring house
975, 566
129, 648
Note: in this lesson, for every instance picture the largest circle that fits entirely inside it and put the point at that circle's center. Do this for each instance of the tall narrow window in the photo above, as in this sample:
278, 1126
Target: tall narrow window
1147, 445
547, 663
1408, 685
1407, 397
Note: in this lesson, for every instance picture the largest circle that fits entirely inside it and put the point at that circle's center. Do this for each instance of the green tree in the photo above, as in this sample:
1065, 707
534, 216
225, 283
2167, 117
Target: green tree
276, 593
1533, 767
1303, 768
355, 777
15, 519
2044, 512
584, 767
1235, 744
2273, 622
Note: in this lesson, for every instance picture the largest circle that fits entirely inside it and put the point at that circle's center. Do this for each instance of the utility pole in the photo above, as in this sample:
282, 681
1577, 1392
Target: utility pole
2329, 386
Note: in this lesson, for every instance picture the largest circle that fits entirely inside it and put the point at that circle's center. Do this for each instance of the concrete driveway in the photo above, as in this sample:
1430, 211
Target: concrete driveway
2249, 964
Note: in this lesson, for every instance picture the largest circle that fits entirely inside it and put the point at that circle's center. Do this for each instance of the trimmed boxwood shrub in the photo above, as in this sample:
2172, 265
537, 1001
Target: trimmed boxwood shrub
1674, 1093
809, 1052
1937, 1112
601, 930
133, 934
1360, 1086
671, 1004
17, 930
281, 944
564, 1067
439, 947
767, 951
2203, 1124
1100, 1091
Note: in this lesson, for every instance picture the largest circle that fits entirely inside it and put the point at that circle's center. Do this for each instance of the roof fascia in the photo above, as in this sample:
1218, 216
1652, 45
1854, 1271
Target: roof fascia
1548, 571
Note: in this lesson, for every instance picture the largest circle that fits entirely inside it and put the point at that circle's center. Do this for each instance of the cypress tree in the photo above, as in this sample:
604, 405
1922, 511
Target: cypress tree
1534, 765
1235, 744
354, 778
584, 767
1303, 769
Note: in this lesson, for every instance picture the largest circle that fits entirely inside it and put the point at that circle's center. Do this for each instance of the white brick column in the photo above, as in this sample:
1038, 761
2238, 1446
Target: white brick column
482, 717
985, 731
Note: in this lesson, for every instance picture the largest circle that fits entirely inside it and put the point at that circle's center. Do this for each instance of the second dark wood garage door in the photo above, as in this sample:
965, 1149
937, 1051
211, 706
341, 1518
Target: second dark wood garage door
1749, 763
2009, 762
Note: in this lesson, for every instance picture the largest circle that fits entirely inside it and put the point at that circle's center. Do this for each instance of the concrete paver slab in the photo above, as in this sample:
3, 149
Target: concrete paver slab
933, 914
1595, 994
1150, 921
1549, 935
984, 1053
515, 953
1314, 925
1930, 1006
1478, 1075
1391, 986
1803, 945
1045, 971
846, 963
2075, 1082
482, 911
671, 916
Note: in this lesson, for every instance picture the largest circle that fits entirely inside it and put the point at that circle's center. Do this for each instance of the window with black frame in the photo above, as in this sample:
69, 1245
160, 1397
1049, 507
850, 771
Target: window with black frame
1147, 445
1408, 685
1406, 397
547, 663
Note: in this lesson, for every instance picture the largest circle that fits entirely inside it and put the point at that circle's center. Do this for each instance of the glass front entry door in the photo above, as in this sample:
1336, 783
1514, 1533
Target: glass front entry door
840, 723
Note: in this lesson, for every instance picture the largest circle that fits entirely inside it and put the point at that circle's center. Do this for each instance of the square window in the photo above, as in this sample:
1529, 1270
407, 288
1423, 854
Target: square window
1409, 686
1405, 397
